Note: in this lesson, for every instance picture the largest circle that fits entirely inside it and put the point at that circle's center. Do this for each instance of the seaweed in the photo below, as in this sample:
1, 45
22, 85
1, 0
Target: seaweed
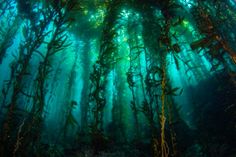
117, 78
26, 50
103, 66
213, 39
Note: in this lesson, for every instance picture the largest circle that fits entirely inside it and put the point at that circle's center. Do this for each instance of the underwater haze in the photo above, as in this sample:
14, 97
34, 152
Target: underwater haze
117, 78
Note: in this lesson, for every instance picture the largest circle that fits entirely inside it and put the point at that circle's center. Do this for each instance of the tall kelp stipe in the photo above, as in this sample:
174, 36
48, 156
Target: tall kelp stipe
117, 78
34, 35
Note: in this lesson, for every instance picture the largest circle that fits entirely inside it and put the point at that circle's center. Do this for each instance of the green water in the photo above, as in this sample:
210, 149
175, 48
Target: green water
109, 78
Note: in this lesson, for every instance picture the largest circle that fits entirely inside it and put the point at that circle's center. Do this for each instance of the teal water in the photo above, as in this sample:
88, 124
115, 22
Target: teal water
107, 78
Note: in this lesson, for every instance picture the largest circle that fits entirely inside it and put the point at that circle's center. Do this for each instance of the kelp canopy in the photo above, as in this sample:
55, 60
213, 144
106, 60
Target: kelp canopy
132, 78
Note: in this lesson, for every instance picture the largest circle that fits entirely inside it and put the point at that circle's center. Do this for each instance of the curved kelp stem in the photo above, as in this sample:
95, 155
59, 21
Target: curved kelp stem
57, 44
101, 69
34, 36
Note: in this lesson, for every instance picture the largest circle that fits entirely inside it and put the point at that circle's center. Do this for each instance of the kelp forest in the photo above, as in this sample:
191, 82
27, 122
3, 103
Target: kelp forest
117, 78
